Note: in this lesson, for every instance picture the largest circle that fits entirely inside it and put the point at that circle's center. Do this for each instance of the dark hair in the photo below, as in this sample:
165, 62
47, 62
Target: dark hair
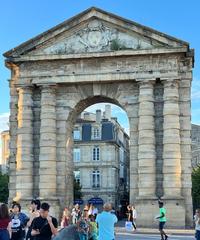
4, 214
161, 203
36, 202
91, 217
45, 206
18, 205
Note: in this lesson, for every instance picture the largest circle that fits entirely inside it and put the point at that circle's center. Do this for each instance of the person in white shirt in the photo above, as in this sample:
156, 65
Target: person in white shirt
134, 214
197, 224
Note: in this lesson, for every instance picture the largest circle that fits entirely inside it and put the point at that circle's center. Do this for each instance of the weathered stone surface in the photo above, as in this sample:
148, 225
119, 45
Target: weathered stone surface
74, 66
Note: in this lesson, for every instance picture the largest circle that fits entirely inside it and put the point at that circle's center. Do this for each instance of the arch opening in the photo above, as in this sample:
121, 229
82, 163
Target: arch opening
99, 152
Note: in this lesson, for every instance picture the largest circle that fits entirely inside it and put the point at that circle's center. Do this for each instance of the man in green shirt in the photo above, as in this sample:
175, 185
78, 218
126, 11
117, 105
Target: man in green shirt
162, 221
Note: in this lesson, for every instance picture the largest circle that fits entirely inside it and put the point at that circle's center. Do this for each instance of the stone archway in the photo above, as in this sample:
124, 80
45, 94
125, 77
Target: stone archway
90, 94
93, 55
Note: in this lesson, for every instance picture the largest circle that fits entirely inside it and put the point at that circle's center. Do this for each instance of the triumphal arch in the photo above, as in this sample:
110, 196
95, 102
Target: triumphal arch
97, 57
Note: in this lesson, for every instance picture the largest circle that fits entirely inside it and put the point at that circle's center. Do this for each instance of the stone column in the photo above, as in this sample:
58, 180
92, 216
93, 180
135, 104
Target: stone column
133, 169
13, 126
185, 135
171, 141
47, 158
146, 141
24, 158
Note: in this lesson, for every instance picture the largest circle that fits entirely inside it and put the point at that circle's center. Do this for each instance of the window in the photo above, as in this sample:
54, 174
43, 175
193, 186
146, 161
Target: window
77, 155
77, 176
77, 134
96, 133
96, 153
96, 179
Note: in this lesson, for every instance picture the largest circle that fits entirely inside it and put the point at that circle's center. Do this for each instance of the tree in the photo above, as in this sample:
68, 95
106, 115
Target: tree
196, 187
77, 190
4, 179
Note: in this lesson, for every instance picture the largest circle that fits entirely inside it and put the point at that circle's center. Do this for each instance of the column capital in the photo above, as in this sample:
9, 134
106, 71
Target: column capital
24, 88
46, 88
146, 82
170, 82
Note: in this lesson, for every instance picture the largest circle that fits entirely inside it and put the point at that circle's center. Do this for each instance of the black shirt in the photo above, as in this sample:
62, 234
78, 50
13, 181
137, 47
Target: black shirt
44, 228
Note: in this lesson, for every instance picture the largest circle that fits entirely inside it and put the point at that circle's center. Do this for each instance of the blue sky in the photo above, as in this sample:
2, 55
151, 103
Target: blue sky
21, 20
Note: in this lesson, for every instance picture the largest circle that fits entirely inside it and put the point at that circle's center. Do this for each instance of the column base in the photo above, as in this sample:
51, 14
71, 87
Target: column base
148, 209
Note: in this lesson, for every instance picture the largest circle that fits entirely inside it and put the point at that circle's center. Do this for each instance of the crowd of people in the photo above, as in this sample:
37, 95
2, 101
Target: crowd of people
89, 223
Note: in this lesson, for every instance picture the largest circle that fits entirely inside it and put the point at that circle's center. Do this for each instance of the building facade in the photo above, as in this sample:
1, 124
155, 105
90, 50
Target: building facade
101, 157
97, 57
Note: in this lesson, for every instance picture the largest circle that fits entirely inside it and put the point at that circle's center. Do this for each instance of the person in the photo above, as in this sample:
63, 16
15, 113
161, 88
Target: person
162, 220
18, 222
93, 230
106, 221
44, 226
129, 213
76, 214
34, 212
65, 218
134, 216
93, 210
197, 224
83, 226
5, 223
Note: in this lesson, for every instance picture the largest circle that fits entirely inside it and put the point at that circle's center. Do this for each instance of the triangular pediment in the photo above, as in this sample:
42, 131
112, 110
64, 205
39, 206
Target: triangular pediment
95, 31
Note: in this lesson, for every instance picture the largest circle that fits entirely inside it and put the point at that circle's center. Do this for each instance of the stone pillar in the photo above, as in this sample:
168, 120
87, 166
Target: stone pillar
186, 155
133, 169
171, 141
47, 158
24, 158
13, 125
146, 141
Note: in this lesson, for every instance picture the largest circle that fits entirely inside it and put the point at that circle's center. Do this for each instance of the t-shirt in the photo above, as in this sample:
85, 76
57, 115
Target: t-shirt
162, 211
134, 214
106, 222
43, 226
4, 223
18, 223
197, 225
93, 226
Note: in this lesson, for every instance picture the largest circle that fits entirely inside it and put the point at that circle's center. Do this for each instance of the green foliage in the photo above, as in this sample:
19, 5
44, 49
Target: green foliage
116, 45
4, 179
196, 187
77, 190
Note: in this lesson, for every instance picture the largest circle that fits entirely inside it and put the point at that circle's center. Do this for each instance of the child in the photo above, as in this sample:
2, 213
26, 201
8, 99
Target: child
83, 227
197, 224
93, 230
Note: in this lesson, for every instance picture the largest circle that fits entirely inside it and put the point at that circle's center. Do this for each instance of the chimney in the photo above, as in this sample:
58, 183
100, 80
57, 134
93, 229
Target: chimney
98, 116
108, 112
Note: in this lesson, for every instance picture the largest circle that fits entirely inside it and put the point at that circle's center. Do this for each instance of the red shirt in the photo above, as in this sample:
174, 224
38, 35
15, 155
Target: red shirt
4, 223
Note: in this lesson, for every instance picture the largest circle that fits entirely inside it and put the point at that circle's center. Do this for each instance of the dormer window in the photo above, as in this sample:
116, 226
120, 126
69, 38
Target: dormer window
96, 133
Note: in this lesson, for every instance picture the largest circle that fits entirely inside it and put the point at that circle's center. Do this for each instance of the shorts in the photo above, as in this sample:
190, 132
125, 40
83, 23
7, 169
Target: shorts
161, 225
197, 235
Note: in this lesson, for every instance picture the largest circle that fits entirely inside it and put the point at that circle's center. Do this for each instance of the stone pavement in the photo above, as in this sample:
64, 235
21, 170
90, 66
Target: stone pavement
133, 236
183, 232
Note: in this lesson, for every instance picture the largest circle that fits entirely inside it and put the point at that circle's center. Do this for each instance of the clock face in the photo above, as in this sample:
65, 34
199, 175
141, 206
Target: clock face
94, 38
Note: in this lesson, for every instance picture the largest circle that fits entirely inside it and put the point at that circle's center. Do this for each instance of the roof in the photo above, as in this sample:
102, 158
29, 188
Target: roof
90, 13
